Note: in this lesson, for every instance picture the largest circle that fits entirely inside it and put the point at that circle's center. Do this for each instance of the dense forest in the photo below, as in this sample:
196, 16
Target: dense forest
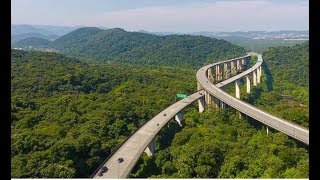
68, 115
142, 48
284, 90
218, 144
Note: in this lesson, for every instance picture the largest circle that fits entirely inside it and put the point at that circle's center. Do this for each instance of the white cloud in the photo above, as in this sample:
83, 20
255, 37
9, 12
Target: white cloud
219, 16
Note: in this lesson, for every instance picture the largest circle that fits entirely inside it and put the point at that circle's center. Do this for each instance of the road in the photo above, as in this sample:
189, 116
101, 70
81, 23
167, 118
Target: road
132, 149
289, 128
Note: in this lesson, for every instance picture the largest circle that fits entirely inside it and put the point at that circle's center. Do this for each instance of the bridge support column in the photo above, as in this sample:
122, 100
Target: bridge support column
150, 150
220, 72
222, 105
209, 75
237, 82
254, 77
248, 83
217, 72
201, 103
232, 68
238, 65
267, 130
225, 70
179, 117
258, 75
207, 98
213, 73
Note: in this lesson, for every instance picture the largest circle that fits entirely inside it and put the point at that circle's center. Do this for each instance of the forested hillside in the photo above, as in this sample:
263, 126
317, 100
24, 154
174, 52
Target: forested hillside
285, 83
289, 64
142, 48
32, 41
68, 115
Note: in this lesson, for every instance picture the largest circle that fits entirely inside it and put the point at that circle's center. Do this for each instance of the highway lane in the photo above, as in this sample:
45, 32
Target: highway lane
132, 149
289, 128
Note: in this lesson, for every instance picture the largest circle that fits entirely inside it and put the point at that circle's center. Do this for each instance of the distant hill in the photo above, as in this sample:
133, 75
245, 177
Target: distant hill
47, 30
23, 31
16, 38
142, 48
33, 42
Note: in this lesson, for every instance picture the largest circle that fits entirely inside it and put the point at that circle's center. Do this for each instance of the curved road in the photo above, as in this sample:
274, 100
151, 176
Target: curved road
295, 131
132, 149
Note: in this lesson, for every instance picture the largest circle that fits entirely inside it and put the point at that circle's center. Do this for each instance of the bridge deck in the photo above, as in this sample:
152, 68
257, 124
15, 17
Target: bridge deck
289, 128
132, 149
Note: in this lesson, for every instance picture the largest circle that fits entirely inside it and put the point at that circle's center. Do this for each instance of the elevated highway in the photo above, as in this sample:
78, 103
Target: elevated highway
220, 73
214, 93
142, 140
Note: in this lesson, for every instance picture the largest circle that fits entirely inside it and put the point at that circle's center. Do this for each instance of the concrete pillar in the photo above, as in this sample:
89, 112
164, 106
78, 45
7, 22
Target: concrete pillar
179, 117
220, 72
217, 72
202, 104
232, 68
260, 70
258, 75
238, 65
226, 71
267, 130
209, 75
213, 72
248, 83
237, 82
207, 98
254, 77
150, 148
222, 105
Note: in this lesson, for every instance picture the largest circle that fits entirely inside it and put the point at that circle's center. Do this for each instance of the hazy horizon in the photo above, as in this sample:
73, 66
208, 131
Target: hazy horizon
167, 16
79, 26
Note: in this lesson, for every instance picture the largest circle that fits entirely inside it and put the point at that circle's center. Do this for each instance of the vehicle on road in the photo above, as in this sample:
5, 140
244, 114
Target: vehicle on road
120, 160
104, 169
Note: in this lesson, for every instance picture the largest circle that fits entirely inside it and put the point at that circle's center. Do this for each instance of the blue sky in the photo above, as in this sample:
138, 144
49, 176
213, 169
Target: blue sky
166, 15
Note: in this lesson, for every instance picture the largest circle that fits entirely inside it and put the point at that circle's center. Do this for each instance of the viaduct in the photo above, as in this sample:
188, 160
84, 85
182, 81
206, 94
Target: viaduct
210, 82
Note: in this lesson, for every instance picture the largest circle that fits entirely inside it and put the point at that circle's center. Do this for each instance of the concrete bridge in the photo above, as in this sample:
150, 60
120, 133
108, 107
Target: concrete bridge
221, 73
215, 95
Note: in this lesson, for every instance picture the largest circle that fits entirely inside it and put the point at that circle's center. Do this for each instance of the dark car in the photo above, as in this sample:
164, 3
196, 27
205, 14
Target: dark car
120, 160
104, 169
